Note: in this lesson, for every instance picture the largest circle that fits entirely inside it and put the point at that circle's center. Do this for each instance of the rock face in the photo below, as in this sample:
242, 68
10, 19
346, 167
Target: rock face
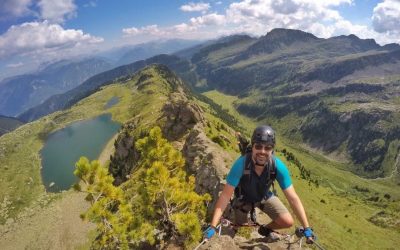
366, 134
125, 155
181, 115
206, 161
183, 123
255, 242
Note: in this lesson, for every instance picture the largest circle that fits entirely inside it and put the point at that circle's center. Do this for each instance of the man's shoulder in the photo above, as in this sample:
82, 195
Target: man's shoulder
279, 163
236, 172
278, 160
239, 161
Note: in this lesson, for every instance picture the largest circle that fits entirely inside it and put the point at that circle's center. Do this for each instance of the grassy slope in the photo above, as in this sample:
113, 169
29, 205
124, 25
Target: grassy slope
20, 184
20, 181
22, 194
340, 222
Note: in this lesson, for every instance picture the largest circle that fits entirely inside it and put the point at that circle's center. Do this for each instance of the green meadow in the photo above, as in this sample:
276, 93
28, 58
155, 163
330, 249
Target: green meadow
346, 211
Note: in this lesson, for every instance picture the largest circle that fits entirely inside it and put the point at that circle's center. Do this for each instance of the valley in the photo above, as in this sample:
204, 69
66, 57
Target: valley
332, 113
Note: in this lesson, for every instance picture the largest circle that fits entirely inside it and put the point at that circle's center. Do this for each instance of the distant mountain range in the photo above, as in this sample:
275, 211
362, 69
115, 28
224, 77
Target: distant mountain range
65, 100
130, 54
339, 95
20, 93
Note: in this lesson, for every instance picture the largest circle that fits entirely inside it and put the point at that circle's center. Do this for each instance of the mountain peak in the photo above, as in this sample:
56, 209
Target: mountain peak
234, 38
358, 43
281, 33
278, 39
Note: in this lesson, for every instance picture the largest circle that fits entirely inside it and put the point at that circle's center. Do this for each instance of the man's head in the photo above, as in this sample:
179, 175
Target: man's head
263, 143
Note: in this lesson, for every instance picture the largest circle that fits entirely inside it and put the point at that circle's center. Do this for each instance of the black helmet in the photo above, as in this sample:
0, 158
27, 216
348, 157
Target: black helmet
263, 134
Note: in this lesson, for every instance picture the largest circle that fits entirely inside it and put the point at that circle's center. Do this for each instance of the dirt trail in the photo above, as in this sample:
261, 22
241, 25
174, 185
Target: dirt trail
107, 150
56, 226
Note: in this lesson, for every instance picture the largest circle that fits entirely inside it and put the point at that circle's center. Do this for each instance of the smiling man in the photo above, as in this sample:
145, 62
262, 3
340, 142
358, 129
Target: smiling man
250, 179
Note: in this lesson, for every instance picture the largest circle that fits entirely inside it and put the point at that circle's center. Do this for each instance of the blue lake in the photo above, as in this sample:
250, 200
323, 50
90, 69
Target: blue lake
111, 102
63, 149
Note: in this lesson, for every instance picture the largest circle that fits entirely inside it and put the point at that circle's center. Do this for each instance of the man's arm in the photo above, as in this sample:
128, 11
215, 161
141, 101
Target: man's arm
296, 205
222, 202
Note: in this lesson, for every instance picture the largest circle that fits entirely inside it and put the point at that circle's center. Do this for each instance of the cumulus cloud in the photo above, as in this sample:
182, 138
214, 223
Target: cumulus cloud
296, 14
257, 17
41, 37
183, 30
192, 7
152, 30
57, 11
15, 65
386, 17
14, 8
207, 20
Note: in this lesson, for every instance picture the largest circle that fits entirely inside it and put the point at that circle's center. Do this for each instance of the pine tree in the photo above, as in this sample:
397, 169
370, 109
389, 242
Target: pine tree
157, 203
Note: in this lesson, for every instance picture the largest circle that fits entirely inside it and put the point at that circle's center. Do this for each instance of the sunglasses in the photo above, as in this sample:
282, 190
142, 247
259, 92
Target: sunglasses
261, 146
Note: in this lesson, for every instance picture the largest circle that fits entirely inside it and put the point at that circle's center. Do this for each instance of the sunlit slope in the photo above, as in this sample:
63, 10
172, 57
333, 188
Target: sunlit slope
340, 94
346, 211
20, 183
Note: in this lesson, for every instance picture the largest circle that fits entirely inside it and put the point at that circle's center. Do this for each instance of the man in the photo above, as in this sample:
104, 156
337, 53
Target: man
251, 177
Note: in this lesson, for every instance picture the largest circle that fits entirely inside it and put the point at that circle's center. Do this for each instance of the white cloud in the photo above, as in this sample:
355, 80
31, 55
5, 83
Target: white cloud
57, 11
14, 65
257, 17
188, 30
14, 8
184, 28
42, 38
152, 30
386, 17
207, 20
90, 4
283, 13
131, 31
192, 7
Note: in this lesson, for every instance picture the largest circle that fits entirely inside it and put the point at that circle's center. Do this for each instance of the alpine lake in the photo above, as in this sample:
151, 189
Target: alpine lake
64, 147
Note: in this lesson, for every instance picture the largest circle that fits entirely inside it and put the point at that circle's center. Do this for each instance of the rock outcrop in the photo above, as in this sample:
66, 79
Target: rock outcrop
206, 161
180, 116
255, 242
125, 155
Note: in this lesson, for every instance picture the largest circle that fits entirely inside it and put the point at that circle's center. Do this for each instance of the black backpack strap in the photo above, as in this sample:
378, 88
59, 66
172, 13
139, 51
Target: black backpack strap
246, 174
247, 164
272, 174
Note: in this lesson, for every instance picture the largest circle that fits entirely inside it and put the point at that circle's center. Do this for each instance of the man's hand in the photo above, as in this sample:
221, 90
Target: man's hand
210, 232
309, 234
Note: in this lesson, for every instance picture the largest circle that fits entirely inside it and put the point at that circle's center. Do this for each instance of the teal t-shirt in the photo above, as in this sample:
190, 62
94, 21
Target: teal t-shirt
282, 173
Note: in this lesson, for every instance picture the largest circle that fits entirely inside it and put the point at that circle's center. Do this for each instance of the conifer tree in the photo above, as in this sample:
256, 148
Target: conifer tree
156, 204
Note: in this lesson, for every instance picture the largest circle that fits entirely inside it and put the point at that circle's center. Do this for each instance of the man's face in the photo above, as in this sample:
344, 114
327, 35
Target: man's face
261, 153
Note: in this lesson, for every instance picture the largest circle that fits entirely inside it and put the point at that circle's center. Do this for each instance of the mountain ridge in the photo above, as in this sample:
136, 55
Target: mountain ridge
277, 79
209, 146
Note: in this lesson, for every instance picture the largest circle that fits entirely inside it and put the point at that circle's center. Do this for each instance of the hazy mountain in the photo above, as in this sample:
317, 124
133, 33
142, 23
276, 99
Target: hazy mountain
20, 93
204, 135
339, 94
345, 85
65, 100
8, 124
130, 54
189, 52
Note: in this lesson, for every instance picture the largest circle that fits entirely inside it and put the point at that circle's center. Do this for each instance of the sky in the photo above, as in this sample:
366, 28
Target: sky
33, 32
